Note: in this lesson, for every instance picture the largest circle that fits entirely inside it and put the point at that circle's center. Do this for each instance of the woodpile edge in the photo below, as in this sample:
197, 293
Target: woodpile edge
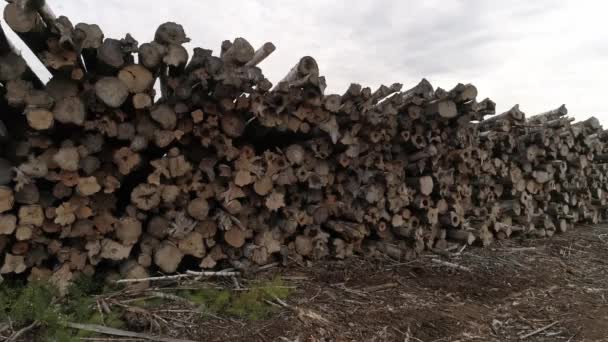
221, 168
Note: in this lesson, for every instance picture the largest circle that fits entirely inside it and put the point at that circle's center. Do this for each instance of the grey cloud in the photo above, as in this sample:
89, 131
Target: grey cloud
536, 53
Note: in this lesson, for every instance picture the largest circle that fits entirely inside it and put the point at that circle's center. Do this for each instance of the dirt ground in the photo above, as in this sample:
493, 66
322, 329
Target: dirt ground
551, 289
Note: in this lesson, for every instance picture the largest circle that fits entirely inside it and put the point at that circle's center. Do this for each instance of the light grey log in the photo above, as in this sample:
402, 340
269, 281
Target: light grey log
305, 66
261, 54
239, 53
548, 115
444, 108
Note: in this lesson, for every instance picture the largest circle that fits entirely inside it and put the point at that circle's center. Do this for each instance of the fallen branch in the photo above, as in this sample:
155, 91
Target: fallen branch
169, 296
380, 287
461, 250
520, 249
16, 335
118, 332
539, 330
302, 313
451, 265
266, 267
138, 280
214, 274
189, 274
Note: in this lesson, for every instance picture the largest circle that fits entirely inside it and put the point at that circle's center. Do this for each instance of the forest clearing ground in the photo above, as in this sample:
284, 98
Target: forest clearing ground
550, 289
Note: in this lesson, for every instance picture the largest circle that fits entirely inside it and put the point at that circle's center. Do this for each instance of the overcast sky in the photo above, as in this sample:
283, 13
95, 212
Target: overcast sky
539, 54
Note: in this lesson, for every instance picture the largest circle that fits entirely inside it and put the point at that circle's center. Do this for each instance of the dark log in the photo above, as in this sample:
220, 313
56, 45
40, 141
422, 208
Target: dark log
110, 55
164, 115
151, 55
233, 125
462, 236
87, 39
12, 65
170, 33
111, 91
70, 110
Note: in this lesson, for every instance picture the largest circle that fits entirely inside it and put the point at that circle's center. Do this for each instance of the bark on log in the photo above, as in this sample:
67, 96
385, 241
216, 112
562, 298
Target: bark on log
444, 108
260, 54
239, 53
223, 170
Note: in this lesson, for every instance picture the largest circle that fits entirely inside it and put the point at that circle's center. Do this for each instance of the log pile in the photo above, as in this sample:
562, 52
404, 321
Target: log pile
99, 172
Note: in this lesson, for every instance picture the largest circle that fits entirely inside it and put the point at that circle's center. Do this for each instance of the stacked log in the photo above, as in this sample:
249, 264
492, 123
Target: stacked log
100, 173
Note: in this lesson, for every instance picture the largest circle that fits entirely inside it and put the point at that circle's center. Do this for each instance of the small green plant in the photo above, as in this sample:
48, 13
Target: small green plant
149, 303
24, 304
79, 301
40, 302
251, 303
35, 302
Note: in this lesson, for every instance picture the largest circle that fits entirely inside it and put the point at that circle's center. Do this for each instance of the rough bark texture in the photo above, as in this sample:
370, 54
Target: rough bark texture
226, 171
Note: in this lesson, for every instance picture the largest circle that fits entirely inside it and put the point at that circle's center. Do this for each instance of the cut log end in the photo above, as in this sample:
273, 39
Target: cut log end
111, 91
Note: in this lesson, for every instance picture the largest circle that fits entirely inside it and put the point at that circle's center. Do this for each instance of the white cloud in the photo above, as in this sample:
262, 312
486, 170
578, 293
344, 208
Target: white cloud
539, 54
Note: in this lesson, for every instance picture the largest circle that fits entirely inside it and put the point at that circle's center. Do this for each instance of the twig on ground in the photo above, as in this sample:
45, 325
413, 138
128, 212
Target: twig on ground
189, 274
537, 331
343, 287
576, 333
461, 249
451, 265
273, 303
138, 280
302, 313
261, 336
108, 339
519, 249
119, 332
409, 337
442, 252
100, 310
215, 274
451, 248
295, 278
266, 267
17, 334
169, 296
236, 283
105, 306
380, 287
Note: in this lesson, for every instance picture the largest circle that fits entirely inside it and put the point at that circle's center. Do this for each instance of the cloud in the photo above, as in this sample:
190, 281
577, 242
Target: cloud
539, 54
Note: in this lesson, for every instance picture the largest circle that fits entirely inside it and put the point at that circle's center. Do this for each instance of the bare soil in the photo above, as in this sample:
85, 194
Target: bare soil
549, 290
513, 289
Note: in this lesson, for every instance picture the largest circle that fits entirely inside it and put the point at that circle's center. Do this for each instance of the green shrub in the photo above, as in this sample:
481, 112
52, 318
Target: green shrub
24, 304
40, 302
251, 303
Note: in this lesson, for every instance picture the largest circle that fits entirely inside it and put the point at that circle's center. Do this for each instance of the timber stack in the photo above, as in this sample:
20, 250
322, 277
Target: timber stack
98, 172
